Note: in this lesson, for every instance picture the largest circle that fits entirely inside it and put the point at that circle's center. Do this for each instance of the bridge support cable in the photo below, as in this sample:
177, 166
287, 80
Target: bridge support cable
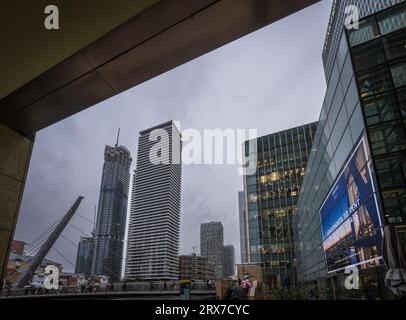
47, 245
32, 247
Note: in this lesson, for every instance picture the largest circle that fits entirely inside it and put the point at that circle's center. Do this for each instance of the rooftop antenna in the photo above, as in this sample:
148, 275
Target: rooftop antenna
118, 136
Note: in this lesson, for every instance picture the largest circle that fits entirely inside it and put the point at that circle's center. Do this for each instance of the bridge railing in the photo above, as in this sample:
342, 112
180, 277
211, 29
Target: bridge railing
136, 286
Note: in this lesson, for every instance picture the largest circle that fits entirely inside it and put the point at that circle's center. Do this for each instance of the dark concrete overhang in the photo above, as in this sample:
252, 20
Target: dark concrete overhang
159, 36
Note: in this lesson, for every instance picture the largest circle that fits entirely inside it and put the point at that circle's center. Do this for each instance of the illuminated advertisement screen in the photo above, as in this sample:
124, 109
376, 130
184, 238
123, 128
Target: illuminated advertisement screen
350, 217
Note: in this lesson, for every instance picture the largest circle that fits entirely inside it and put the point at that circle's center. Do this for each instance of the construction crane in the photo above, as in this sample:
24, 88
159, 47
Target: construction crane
47, 245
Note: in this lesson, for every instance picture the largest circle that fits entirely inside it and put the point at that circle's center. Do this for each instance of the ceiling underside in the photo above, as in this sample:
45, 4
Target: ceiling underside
163, 35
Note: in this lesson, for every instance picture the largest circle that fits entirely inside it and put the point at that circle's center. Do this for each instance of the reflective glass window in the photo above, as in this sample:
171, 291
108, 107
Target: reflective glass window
367, 30
389, 172
339, 127
392, 20
368, 55
399, 74
401, 94
347, 73
335, 106
351, 97
323, 117
395, 205
395, 45
356, 123
329, 150
332, 171
251, 180
388, 137
380, 108
332, 83
375, 81
343, 149
342, 51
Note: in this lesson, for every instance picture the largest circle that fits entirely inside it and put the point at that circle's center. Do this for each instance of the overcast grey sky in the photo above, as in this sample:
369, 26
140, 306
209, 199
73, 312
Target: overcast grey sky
269, 80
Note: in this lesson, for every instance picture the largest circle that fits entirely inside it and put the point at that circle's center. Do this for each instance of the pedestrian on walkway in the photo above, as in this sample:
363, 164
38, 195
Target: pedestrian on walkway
246, 285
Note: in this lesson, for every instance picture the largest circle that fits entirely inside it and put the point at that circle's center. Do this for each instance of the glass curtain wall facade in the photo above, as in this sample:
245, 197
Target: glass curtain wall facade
378, 49
363, 101
243, 227
272, 194
336, 23
84, 256
228, 261
112, 213
340, 125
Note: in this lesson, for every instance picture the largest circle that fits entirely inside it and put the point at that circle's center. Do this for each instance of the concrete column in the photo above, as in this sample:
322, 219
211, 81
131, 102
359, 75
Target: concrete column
15, 152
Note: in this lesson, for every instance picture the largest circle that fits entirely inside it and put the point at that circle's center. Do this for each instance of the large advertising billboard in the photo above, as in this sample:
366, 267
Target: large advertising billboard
350, 216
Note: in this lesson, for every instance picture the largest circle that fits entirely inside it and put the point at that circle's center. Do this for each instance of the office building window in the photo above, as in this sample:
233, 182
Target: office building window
390, 172
395, 45
395, 205
401, 94
386, 138
370, 55
392, 21
399, 74
380, 108
368, 30
374, 82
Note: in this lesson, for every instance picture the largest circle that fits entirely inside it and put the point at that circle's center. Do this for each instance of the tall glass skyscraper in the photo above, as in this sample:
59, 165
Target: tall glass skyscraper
212, 245
112, 212
243, 227
336, 25
272, 194
355, 180
228, 261
153, 234
84, 258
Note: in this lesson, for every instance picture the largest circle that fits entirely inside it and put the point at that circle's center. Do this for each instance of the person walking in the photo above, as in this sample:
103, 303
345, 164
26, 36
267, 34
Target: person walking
234, 293
310, 293
246, 285
209, 286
